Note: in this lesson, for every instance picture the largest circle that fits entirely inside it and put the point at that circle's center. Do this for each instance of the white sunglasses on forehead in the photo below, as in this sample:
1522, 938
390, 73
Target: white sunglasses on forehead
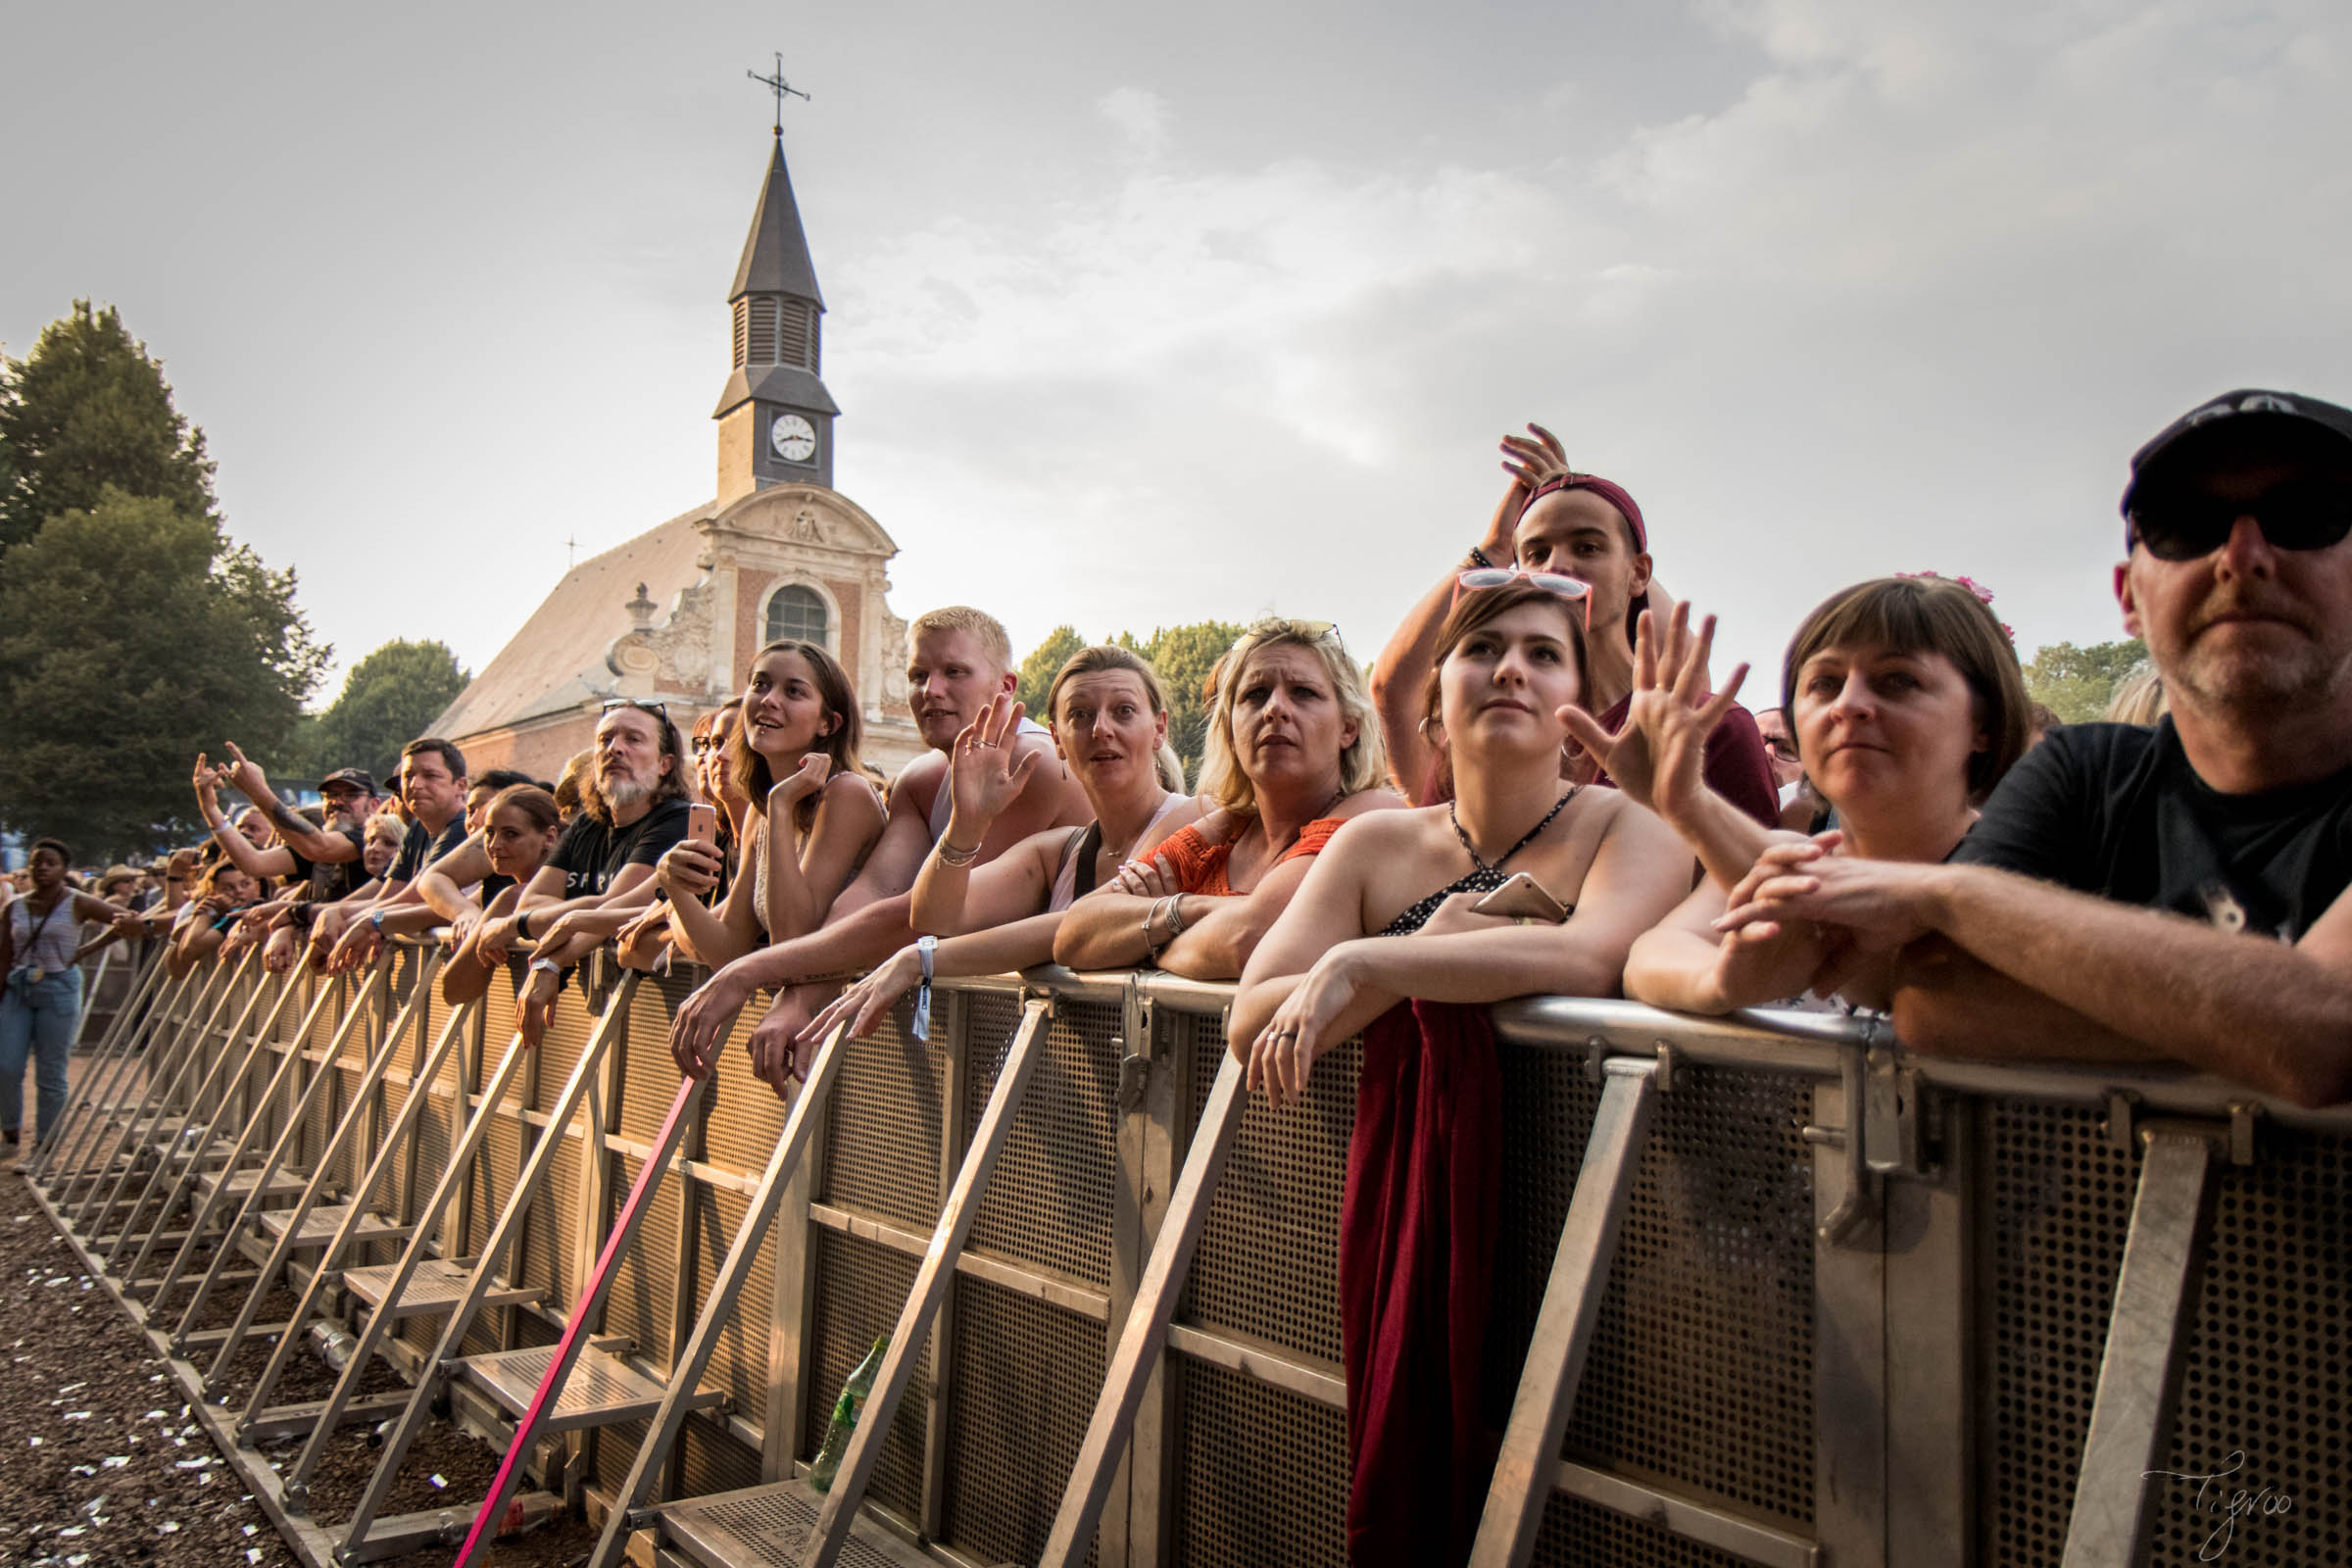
1572, 588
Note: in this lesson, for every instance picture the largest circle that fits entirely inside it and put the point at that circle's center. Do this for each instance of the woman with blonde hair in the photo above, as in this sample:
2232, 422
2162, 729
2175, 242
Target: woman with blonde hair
1293, 750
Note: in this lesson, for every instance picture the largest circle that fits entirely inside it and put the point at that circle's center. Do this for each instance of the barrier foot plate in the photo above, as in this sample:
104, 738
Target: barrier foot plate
763, 1526
601, 1389
437, 1286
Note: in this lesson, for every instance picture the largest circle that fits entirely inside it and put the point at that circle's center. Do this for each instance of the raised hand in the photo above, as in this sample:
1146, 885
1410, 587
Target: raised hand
1659, 758
801, 783
989, 769
208, 784
247, 774
1534, 458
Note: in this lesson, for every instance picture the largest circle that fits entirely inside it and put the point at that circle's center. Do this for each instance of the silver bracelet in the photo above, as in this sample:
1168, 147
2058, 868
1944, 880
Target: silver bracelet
949, 855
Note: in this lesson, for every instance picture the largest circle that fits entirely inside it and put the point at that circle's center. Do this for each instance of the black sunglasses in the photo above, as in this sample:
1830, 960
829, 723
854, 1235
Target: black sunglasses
2297, 515
658, 710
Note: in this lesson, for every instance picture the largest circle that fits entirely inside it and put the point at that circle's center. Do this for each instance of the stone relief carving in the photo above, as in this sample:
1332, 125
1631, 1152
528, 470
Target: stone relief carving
672, 656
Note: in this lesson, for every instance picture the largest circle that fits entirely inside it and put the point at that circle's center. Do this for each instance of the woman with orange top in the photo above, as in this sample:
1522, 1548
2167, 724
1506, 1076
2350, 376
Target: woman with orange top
1293, 752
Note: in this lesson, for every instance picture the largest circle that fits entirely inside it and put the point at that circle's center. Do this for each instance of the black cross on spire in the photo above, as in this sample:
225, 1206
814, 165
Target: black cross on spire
780, 87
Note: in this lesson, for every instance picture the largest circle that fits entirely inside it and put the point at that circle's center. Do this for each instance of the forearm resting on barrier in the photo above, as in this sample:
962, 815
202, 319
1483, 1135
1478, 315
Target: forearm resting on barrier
2274, 1017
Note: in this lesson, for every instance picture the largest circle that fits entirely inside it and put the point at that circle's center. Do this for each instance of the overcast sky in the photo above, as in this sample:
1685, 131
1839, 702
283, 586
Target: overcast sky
1146, 315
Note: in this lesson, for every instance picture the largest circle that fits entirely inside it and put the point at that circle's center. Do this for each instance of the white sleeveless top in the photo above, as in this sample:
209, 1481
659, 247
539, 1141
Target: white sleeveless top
1065, 880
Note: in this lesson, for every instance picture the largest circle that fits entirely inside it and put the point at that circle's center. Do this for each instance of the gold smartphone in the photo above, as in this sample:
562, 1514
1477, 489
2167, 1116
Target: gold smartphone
1521, 898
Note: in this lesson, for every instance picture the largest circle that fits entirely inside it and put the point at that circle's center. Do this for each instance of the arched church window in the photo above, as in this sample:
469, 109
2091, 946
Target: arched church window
797, 612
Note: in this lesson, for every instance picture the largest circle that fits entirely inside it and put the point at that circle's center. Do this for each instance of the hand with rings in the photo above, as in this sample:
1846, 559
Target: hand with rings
1155, 878
1283, 1053
987, 770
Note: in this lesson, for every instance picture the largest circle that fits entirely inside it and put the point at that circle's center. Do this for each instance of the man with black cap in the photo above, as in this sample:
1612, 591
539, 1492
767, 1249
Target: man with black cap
2174, 891
325, 854
1557, 521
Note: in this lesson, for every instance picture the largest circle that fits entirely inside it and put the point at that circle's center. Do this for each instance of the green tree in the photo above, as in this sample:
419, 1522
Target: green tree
88, 408
1045, 660
133, 636
2074, 683
388, 700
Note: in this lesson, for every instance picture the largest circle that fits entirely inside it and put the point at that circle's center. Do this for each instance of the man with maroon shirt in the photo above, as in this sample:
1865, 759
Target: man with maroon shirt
1577, 526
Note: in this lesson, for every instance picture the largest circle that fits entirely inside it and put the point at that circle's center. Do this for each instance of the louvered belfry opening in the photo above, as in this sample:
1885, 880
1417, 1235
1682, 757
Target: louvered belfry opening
775, 330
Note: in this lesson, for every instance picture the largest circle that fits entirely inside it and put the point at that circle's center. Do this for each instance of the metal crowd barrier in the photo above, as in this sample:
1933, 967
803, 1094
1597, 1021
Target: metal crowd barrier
1769, 1290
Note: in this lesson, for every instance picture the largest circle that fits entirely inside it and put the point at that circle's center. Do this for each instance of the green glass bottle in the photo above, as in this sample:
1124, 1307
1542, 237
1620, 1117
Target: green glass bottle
853, 1399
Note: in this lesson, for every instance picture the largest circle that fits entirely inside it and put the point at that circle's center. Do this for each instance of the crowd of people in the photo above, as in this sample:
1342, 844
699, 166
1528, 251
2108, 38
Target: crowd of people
1540, 788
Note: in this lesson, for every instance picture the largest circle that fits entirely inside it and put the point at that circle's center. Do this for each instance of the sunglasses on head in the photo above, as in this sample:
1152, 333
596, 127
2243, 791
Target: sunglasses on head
2298, 515
658, 710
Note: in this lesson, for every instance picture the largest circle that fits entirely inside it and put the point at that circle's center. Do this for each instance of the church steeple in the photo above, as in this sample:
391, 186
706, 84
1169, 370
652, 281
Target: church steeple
775, 418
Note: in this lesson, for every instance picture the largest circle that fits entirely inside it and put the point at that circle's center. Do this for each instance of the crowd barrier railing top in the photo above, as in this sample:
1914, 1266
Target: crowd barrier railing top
1818, 1044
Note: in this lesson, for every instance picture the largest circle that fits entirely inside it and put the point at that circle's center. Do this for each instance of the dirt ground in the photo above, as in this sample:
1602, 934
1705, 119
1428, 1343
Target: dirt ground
103, 1463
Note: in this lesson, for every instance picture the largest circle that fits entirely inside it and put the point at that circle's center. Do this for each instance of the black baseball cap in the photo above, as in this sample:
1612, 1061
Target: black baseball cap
2248, 407
359, 778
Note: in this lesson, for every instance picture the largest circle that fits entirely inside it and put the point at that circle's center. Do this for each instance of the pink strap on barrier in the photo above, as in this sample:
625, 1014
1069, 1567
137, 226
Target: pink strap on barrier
567, 1349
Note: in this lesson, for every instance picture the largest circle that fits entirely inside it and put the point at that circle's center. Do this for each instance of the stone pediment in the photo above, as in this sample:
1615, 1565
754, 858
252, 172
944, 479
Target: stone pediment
797, 521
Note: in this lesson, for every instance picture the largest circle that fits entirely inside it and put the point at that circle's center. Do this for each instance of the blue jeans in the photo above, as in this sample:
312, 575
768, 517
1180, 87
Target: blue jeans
39, 1020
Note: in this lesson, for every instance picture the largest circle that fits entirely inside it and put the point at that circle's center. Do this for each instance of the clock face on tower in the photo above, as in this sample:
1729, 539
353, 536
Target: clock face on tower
793, 437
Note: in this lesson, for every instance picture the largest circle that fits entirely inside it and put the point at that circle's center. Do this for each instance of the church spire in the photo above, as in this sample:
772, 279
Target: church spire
775, 253
775, 418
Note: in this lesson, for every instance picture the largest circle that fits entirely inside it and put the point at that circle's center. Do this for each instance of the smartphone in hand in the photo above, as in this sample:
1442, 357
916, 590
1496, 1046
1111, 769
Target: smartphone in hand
1521, 898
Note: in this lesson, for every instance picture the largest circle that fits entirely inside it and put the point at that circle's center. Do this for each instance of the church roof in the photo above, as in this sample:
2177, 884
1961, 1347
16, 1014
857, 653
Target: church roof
557, 661
775, 253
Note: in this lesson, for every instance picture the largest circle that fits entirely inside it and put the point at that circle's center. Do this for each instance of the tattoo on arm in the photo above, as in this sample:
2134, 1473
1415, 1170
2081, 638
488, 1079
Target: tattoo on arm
284, 818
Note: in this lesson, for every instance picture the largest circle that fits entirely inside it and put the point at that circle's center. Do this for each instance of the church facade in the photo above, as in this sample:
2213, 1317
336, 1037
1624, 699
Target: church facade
674, 615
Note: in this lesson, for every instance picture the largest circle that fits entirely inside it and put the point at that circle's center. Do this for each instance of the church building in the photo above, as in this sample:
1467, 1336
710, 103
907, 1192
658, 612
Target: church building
674, 615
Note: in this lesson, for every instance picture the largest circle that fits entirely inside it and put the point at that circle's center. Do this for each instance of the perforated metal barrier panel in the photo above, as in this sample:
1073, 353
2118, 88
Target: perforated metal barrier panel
2262, 1409
1704, 1384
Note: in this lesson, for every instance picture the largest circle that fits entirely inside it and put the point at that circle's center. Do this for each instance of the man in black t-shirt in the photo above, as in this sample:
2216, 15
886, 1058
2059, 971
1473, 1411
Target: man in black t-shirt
601, 871
2176, 891
432, 785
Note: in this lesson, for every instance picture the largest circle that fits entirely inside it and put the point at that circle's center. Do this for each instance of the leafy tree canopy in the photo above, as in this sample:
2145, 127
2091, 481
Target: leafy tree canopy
388, 700
1045, 660
87, 409
2076, 683
134, 636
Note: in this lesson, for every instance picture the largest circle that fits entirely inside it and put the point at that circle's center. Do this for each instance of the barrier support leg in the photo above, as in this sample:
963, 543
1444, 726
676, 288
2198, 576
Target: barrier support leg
395, 1138
248, 1134
251, 1206
411, 1256
800, 1128
831, 1533
1524, 1471
586, 1314
1146, 1330
2131, 1414
289, 1239
452, 1344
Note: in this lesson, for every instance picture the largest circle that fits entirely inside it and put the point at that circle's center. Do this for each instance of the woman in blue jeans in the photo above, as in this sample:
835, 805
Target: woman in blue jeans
42, 1001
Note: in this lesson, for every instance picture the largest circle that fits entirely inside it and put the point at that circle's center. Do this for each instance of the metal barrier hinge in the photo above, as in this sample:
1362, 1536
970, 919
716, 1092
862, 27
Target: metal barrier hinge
1135, 1051
2127, 1125
1892, 1143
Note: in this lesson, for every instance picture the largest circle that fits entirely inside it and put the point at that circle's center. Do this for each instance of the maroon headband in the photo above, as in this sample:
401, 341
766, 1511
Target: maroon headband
1608, 489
